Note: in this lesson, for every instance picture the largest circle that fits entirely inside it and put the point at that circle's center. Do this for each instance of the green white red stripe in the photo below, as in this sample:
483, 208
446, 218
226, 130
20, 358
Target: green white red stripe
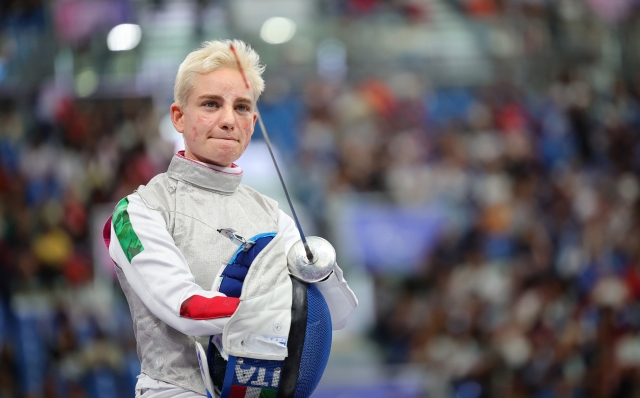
251, 392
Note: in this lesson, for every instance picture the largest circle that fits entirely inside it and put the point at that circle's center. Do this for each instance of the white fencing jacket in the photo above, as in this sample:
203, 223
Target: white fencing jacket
169, 257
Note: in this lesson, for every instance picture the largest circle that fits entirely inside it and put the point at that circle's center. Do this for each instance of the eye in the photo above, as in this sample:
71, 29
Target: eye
243, 108
211, 104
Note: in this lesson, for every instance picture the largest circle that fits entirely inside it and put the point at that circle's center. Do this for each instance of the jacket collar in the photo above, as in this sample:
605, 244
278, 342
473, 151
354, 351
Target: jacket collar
212, 178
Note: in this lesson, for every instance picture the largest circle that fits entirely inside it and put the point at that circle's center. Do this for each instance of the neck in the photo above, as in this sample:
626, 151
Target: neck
220, 179
232, 169
189, 155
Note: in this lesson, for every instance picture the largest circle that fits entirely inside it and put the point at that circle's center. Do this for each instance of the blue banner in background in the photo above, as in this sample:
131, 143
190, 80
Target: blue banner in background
390, 239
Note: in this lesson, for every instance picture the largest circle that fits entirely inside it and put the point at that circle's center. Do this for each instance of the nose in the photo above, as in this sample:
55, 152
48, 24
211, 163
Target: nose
227, 118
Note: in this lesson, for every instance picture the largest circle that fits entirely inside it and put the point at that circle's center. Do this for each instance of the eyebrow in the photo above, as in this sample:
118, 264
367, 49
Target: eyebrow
219, 98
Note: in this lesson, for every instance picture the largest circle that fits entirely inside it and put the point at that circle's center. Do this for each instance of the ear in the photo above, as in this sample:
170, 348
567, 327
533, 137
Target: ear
177, 117
255, 119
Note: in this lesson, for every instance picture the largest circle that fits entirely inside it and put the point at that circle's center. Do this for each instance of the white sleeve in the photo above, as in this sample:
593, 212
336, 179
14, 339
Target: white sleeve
335, 289
159, 273
287, 227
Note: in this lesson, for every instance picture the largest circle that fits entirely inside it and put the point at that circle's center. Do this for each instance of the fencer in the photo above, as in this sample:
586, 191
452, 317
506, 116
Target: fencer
201, 258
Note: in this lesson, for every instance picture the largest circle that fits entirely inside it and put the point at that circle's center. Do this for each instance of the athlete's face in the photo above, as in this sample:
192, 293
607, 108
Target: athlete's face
218, 119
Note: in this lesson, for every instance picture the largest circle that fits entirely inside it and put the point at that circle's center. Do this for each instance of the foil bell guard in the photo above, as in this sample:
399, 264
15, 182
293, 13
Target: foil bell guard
320, 267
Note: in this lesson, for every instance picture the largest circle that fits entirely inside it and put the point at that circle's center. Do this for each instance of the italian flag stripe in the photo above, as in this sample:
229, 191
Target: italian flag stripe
251, 392
129, 241
267, 393
238, 392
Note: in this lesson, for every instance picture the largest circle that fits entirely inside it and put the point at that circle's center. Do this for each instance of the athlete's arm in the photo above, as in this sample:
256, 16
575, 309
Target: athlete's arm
335, 289
157, 271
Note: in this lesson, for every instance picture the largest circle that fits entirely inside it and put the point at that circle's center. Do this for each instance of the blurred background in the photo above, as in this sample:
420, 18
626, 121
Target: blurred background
475, 163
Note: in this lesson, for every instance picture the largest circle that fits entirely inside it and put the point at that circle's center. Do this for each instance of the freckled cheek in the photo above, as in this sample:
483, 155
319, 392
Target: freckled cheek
202, 125
246, 127
204, 119
246, 124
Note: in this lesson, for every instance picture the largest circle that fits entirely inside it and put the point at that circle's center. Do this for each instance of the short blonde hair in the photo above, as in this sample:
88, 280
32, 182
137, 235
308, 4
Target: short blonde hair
215, 55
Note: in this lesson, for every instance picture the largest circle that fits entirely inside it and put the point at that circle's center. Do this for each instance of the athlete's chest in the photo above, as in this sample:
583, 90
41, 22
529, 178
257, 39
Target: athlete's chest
198, 216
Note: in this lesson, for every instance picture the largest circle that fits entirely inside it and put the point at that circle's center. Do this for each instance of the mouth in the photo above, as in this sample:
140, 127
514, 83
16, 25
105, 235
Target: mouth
226, 139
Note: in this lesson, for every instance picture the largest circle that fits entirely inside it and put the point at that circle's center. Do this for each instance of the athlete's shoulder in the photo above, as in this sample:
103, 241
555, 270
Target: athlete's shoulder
266, 202
158, 193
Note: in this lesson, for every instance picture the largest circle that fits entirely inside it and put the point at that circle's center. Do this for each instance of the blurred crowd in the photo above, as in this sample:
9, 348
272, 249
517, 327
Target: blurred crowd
62, 333
531, 291
533, 287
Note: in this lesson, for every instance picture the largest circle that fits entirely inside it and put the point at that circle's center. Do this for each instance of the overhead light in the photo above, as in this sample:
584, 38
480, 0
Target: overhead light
277, 30
124, 37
